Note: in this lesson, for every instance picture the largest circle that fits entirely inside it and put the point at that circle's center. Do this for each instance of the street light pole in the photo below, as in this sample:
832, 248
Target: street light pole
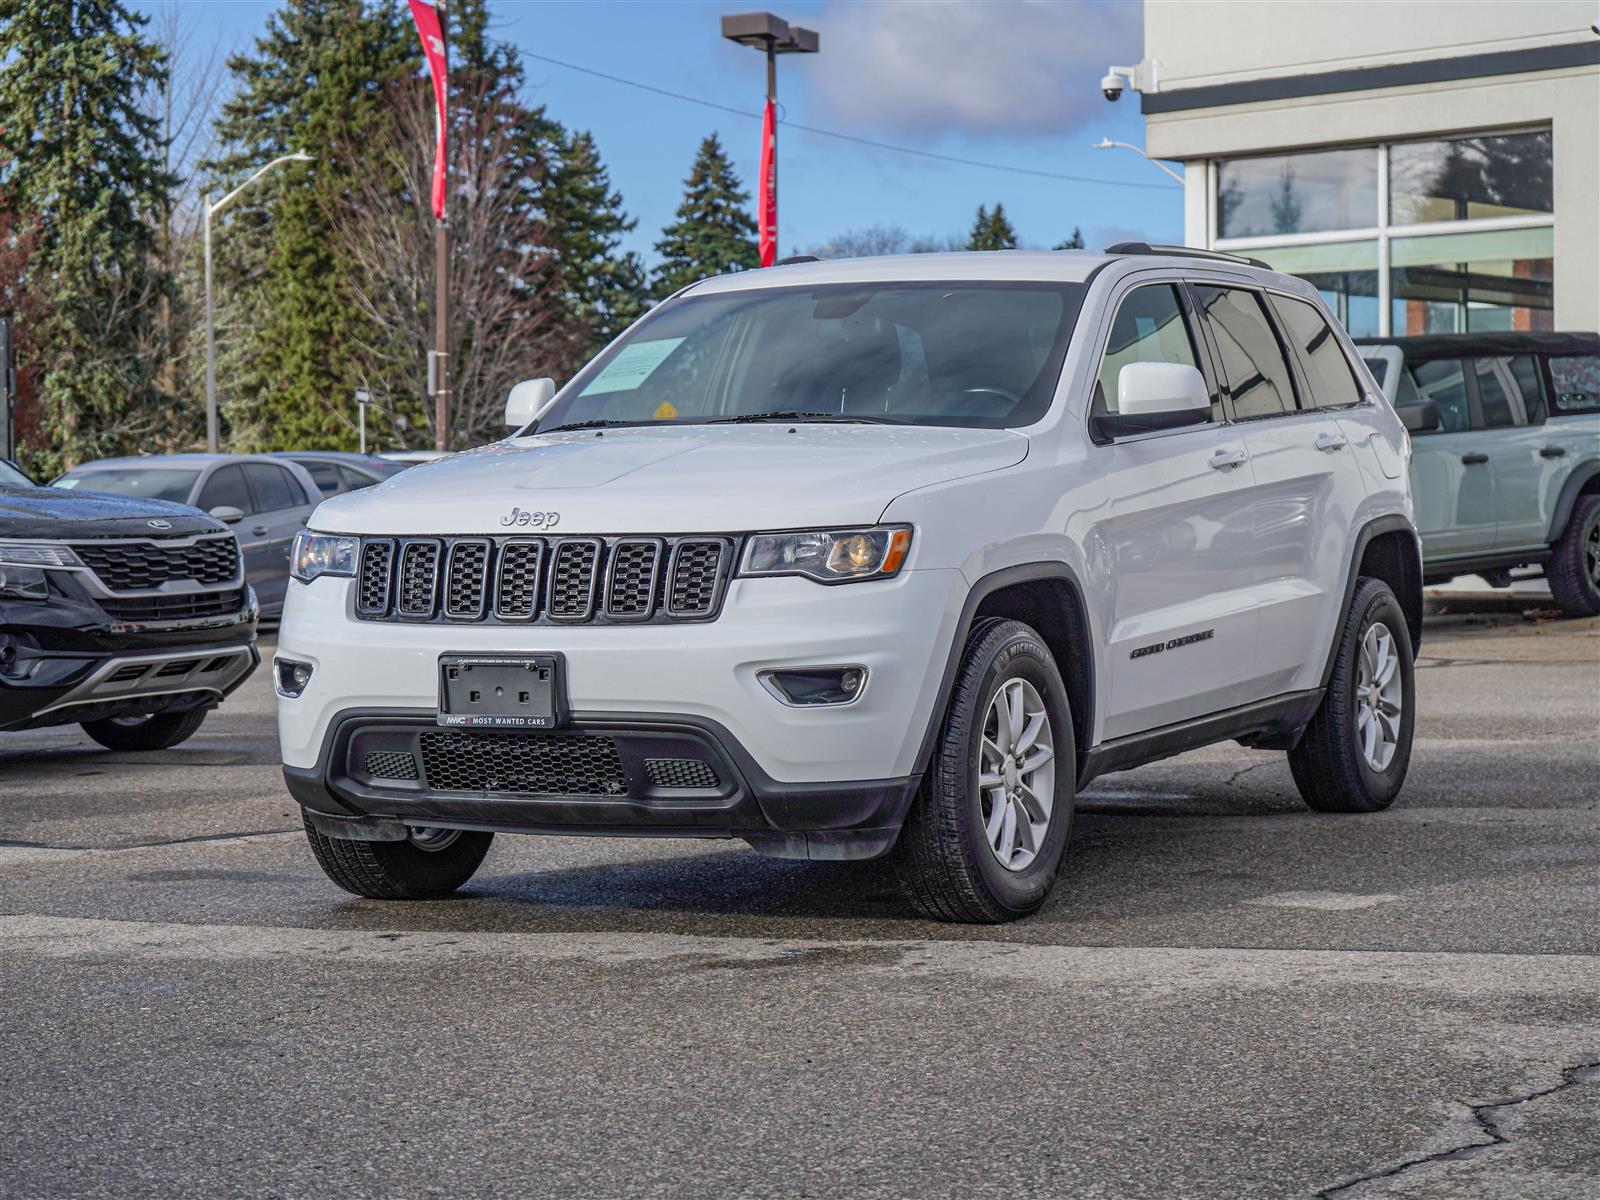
1106, 143
210, 210
774, 36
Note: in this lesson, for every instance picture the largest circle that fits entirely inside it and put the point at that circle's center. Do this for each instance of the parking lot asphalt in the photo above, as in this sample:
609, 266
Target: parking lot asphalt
1227, 996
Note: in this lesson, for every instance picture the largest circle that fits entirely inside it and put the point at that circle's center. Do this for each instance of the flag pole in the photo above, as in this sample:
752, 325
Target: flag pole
441, 279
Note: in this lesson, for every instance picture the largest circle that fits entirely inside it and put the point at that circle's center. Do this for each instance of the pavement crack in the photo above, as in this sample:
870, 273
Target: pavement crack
1491, 1120
1243, 771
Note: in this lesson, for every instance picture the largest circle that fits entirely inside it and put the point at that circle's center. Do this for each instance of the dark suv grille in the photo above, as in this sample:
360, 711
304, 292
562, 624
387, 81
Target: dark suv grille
184, 606
134, 566
528, 764
577, 580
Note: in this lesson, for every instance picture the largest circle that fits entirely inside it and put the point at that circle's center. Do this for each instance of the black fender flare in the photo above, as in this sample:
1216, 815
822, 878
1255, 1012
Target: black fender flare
1391, 523
1582, 475
985, 587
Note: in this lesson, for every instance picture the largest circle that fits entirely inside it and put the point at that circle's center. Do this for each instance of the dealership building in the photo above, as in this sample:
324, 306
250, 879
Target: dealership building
1431, 167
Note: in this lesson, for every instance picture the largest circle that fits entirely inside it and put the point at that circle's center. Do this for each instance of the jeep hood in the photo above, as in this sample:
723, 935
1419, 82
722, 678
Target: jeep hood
675, 479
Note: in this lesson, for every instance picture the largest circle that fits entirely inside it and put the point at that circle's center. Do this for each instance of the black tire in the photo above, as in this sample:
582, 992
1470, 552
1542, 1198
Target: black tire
158, 732
942, 859
1574, 571
1329, 766
399, 870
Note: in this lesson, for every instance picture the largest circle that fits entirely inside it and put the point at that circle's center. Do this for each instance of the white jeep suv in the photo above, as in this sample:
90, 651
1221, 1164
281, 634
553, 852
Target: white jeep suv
884, 556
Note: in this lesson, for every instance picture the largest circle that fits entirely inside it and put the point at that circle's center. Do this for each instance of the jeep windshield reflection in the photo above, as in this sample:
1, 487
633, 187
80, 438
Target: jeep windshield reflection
973, 354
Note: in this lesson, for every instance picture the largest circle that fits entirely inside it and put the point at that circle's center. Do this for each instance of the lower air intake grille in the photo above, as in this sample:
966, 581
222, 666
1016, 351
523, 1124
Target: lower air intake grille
530, 764
390, 764
181, 606
680, 773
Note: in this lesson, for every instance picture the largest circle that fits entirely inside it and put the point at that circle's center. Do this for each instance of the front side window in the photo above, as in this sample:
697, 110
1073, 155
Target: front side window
1149, 327
1575, 383
1322, 360
226, 489
976, 354
1253, 368
1444, 381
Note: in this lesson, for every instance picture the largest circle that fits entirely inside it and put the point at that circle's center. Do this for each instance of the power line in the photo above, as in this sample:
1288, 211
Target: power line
846, 137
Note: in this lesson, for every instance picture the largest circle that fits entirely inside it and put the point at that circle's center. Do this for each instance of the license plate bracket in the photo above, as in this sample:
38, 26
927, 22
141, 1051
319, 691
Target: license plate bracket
501, 691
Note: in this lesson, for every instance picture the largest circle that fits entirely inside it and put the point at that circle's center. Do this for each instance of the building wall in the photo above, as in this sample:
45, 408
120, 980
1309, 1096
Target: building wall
1208, 44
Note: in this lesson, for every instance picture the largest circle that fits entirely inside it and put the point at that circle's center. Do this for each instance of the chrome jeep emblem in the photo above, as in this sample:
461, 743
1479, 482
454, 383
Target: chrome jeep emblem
158, 523
531, 520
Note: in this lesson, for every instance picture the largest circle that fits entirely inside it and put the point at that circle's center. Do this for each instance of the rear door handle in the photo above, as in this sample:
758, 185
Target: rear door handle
1473, 460
1329, 442
1552, 452
1223, 459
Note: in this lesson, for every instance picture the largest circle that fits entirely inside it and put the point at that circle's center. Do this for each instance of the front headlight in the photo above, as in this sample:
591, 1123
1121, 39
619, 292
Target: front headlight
322, 554
38, 554
830, 555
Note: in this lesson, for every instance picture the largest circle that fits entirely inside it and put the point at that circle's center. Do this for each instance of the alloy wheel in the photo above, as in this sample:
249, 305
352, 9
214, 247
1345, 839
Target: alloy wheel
431, 837
1591, 552
1016, 774
1380, 694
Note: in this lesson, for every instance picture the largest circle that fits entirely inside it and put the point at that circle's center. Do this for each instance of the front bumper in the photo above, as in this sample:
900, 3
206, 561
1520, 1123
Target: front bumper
787, 770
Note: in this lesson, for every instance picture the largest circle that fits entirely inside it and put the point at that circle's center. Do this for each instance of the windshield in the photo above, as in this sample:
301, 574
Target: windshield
143, 482
968, 354
11, 477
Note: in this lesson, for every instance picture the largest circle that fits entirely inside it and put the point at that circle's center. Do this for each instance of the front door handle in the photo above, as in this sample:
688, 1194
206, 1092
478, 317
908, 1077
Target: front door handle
1473, 460
1552, 452
259, 530
1329, 442
1222, 460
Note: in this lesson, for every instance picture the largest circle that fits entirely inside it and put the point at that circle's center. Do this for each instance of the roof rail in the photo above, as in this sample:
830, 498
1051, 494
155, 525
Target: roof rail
1183, 252
796, 258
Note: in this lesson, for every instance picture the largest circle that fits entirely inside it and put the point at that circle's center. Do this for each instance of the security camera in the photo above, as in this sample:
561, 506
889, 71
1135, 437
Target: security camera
1111, 86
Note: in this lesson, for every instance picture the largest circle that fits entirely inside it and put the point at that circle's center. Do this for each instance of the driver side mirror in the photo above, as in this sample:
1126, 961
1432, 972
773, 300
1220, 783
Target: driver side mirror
527, 400
1153, 396
228, 514
1419, 417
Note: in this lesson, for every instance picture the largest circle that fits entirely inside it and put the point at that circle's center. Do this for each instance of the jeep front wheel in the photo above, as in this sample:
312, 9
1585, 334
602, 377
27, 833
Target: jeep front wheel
431, 862
986, 832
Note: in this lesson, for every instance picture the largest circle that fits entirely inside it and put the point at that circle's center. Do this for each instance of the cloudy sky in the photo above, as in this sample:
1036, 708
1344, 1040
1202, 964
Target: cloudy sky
1010, 82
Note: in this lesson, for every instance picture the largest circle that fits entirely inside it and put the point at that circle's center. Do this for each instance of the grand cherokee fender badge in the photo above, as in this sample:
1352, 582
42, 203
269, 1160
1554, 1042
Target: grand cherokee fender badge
1188, 639
531, 520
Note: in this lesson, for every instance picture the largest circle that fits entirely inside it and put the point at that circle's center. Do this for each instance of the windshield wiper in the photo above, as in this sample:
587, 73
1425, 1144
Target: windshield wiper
818, 417
598, 423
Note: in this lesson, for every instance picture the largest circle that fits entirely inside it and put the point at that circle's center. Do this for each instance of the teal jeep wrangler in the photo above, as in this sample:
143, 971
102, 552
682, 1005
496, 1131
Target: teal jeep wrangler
1505, 467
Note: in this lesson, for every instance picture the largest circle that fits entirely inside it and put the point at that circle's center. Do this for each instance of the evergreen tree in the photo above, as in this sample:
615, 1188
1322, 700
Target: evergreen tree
714, 233
992, 231
315, 82
1075, 242
80, 163
586, 223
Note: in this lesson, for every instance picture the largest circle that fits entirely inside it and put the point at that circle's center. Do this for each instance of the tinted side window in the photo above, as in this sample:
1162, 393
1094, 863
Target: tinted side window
1575, 380
1508, 390
1253, 368
355, 480
1444, 381
274, 488
1149, 327
328, 477
1322, 360
226, 487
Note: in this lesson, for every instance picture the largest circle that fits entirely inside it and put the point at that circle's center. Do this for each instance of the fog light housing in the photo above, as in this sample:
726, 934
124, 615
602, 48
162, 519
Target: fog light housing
812, 687
292, 677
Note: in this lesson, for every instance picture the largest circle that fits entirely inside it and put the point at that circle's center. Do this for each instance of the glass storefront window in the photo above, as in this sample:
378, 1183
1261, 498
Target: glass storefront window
1297, 193
1460, 179
1346, 273
1464, 282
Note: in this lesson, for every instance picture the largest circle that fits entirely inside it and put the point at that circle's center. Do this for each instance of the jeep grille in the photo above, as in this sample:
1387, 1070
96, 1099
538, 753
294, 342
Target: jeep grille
577, 580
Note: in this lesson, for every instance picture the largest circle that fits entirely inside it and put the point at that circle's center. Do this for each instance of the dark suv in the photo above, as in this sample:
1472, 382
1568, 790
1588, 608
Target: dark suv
1505, 467
129, 617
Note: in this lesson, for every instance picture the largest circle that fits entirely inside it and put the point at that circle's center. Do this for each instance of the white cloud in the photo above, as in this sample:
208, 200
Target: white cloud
975, 67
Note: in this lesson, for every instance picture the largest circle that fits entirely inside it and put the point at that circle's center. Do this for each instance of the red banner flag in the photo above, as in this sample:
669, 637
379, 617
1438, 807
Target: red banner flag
767, 193
429, 28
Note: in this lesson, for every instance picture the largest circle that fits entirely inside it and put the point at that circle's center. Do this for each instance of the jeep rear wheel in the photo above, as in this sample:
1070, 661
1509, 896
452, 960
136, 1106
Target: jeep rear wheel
1574, 570
431, 862
986, 833
1355, 752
